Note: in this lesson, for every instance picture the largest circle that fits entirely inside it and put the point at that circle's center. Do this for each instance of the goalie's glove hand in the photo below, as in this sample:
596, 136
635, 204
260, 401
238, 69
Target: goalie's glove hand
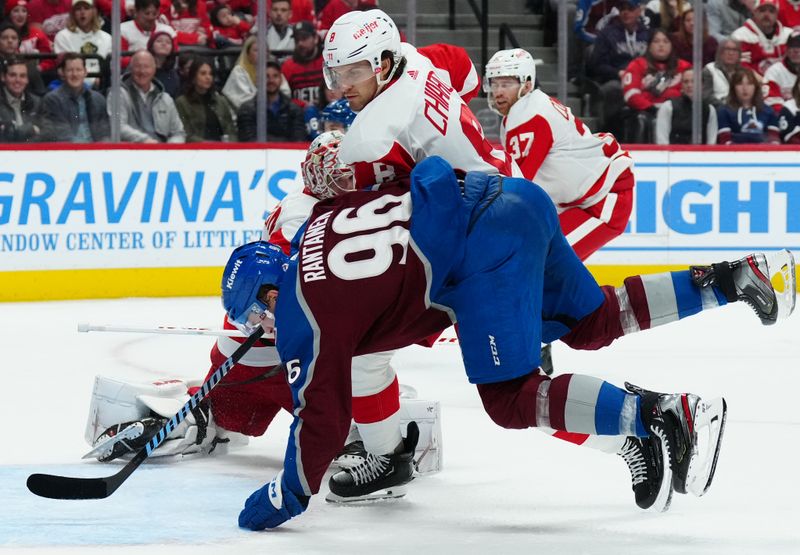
272, 505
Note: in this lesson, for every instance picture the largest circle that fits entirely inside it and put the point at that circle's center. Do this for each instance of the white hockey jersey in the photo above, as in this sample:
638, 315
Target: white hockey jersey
93, 42
284, 222
135, 38
420, 114
779, 80
558, 152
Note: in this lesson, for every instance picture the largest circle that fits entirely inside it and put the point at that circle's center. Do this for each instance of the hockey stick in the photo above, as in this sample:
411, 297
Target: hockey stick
165, 330
64, 487
447, 338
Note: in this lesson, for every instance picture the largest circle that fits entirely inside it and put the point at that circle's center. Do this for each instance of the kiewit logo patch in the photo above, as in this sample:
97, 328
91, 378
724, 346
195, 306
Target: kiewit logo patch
232, 278
493, 349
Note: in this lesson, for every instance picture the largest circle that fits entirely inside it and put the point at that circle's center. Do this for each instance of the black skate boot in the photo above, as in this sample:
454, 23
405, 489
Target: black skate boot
128, 438
546, 356
378, 476
690, 431
123, 439
748, 280
650, 472
352, 455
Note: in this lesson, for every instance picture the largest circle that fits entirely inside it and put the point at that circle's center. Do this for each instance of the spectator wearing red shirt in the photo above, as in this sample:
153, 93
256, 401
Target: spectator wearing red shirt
9, 48
655, 77
303, 71
52, 15
762, 37
334, 9
228, 29
32, 38
190, 19
781, 76
649, 81
789, 14
302, 10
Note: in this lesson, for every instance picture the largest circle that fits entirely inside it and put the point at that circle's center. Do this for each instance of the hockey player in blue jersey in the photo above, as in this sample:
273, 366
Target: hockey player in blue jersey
487, 254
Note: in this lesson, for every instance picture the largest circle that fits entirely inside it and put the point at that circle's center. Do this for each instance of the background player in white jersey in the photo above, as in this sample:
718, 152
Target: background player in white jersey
587, 176
410, 102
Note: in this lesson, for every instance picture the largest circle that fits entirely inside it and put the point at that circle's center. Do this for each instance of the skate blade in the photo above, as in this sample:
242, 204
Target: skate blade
664, 497
388, 493
709, 426
130, 432
783, 278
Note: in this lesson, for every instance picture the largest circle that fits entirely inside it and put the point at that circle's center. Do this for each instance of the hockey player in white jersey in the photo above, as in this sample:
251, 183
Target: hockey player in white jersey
587, 176
410, 102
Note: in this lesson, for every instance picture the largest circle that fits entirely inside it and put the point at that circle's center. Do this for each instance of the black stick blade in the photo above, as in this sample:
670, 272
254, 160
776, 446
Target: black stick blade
63, 487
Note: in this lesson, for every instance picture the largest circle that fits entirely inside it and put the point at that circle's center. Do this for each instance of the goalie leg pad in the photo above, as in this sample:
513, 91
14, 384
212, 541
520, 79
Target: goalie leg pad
429, 454
127, 415
115, 401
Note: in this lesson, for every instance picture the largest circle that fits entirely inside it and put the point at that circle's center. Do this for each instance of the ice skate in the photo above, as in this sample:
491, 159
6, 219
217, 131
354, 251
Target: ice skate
690, 430
546, 356
651, 475
352, 455
767, 284
378, 476
123, 439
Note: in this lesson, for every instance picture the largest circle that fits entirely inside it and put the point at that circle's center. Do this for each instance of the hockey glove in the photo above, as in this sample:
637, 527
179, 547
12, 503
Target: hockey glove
271, 506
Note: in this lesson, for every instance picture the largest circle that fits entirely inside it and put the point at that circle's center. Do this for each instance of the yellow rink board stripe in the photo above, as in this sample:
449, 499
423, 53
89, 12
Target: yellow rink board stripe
52, 285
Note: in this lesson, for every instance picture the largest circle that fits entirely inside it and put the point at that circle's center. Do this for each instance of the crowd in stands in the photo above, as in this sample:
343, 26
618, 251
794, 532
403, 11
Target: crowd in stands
189, 70
638, 57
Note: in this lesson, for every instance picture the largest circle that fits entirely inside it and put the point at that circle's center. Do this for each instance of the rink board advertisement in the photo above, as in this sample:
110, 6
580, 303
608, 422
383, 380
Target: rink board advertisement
161, 222
132, 222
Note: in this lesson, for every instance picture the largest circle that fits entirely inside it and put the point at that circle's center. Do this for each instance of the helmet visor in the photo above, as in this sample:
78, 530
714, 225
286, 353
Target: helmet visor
249, 320
496, 84
342, 77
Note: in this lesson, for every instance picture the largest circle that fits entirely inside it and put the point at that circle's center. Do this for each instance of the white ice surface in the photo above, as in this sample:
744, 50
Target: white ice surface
501, 491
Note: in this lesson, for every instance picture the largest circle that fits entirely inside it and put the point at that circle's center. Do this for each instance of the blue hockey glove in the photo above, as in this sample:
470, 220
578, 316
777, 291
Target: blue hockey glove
271, 506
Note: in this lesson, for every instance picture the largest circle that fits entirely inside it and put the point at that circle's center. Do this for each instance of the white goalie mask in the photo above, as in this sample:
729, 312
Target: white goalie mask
509, 63
323, 173
357, 37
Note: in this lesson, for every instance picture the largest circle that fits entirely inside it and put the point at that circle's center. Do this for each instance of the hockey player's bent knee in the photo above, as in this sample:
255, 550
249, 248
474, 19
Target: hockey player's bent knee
512, 404
599, 328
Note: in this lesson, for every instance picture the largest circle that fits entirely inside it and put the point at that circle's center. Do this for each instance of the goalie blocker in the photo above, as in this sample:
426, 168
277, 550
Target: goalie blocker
124, 415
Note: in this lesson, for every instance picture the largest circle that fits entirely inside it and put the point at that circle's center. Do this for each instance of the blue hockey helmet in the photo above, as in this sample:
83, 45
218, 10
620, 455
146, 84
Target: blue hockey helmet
338, 111
249, 268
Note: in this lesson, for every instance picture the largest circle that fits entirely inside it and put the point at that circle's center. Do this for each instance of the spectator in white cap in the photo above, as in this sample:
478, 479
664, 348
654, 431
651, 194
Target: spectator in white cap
762, 37
83, 35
